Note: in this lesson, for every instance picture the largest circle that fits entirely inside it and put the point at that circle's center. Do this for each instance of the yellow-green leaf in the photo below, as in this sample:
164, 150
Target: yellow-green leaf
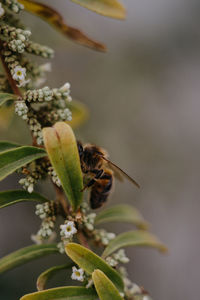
121, 213
5, 97
25, 255
49, 273
63, 293
104, 286
8, 198
62, 150
89, 261
15, 158
79, 113
133, 238
108, 8
54, 18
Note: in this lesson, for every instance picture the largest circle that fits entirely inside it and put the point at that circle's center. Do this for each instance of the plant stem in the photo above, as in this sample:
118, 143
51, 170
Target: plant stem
82, 239
59, 192
61, 198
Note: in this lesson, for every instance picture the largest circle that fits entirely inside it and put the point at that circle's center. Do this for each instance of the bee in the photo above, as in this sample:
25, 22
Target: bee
95, 163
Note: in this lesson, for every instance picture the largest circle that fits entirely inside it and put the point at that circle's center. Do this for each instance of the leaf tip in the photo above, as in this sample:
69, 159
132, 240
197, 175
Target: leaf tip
163, 249
144, 226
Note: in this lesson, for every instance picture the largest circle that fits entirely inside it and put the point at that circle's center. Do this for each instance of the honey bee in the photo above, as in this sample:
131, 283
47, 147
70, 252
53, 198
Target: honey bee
94, 162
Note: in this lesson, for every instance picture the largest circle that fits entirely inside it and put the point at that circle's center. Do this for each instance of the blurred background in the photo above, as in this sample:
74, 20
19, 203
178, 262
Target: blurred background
143, 96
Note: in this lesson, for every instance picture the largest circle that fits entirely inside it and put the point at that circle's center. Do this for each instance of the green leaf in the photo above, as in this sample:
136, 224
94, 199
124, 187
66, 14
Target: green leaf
62, 150
25, 255
13, 159
121, 213
5, 97
79, 113
55, 19
8, 198
104, 287
89, 261
63, 293
133, 238
4, 145
49, 273
108, 8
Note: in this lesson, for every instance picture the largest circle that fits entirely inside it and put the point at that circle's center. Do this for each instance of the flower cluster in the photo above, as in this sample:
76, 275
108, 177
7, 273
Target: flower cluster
103, 237
119, 257
47, 227
43, 210
46, 212
132, 290
39, 107
45, 107
36, 170
21, 109
13, 5
88, 221
54, 176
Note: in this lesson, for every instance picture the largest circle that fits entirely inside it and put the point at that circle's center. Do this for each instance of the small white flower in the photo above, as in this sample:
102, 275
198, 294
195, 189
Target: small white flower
77, 274
2, 11
135, 289
19, 73
61, 247
30, 188
111, 235
65, 87
68, 229
46, 67
36, 239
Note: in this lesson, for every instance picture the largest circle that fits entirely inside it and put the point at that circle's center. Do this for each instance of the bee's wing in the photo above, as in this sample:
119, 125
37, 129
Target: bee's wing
119, 173
116, 172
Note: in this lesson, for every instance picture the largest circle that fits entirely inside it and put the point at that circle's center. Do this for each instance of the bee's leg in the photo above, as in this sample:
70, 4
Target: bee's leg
98, 175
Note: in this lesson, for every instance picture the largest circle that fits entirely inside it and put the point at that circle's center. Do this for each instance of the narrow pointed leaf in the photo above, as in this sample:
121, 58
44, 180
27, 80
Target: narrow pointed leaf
121, 213
62, 150
133, 238
51, 16
104, 286
63, 293
4, 145
79, 113
13, 159
8, 198
108, 8
48, 274
5, 97
89, 261
25, 255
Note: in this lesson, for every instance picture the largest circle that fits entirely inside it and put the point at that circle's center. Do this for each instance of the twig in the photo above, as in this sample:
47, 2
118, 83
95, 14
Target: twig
59, 193
61, 198
82, 239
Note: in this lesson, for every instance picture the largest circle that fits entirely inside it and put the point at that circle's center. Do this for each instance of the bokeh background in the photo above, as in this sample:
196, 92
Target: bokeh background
143, 96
